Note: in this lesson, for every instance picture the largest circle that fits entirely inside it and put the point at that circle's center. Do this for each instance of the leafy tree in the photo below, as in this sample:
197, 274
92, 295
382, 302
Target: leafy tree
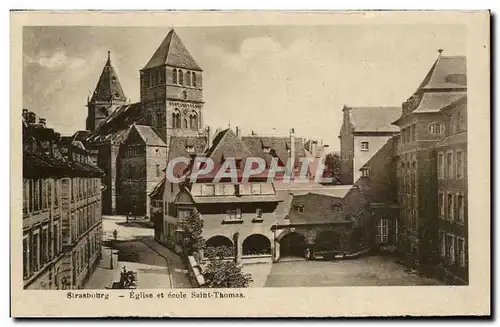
221, 273
192, 226
332, 166
218, 252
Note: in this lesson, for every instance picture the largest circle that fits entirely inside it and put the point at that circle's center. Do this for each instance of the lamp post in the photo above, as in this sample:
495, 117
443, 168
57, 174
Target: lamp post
111, 258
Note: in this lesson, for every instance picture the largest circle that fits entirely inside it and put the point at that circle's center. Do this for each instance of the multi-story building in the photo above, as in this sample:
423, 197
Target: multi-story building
364, 131
133, 139
452, 195
428, 122
61, 208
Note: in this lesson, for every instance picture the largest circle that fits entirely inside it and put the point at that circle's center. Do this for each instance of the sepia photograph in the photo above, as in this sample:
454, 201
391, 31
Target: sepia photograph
216, 159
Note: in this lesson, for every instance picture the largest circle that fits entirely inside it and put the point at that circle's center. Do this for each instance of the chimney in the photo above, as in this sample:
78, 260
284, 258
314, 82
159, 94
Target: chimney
42, 122
238, 132
314, 148
31, 118
209, 137
292, 148
25, 114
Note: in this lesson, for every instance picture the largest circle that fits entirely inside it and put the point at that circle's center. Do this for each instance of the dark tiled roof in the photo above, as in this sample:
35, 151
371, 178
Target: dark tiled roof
172, 52
317, 209
80, 135
278, 147
374, 119
108, 88
459, 138
123, 116
435, 101
149, 136
447, 72
227, 144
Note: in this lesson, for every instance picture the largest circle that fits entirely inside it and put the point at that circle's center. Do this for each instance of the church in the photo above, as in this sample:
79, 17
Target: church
133, 139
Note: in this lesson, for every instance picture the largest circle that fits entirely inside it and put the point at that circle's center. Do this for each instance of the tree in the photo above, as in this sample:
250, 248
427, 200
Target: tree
192, 239
332, 166
221, 273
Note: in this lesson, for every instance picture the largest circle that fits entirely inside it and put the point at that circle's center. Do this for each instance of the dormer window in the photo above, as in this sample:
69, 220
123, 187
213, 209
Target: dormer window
267, 149
365, 172
337, 207
190, 149
299, 208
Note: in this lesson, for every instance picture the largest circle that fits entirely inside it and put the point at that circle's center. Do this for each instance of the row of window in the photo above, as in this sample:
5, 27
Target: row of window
236, 214
451, 206
82, 256
40, 247
186, 78
84, 219
409, 184
231, 189
408, 134
188, 122
135, 151
42, 193
452, 249
451, 164
334, 207
180, 77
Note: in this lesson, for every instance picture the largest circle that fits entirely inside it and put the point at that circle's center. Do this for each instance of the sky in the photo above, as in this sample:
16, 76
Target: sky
265, 79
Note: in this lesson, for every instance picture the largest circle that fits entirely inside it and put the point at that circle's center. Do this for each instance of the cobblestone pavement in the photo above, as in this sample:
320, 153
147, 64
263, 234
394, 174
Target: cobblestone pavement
366, 271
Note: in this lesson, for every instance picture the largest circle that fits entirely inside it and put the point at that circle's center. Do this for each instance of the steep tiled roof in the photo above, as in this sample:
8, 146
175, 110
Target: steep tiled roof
459, 138
227, 144
435, 101
149, 136
318, 209
278, 147
172, 52
178, 148
108, 88
126, 114
447, 72
374, 119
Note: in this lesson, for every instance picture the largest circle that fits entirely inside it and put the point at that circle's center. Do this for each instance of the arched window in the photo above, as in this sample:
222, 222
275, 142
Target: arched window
436, 128
181, 77
176, 119
185, 123
174, 76
193, 79
188, 78
193, 121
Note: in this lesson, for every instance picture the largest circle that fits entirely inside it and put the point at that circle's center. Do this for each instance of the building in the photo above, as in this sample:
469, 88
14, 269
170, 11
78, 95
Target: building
379, 186
61, 208
322, 222
133, 139
364, 131
452, 196
429, 123
239, 215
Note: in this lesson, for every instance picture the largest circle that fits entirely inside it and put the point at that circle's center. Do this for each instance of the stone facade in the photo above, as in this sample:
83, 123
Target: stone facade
61, 209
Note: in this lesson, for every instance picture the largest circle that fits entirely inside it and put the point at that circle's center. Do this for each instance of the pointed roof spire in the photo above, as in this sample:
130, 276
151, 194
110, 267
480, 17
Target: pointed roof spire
172, 52
440, 51
108, 88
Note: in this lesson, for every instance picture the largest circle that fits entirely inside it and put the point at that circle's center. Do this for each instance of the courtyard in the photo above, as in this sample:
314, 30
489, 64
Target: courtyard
365, 271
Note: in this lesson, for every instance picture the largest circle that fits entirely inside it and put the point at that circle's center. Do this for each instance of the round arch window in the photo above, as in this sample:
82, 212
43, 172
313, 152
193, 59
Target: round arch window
436, 128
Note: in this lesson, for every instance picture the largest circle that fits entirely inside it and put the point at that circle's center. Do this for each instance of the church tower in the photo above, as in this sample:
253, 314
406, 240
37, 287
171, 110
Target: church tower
172, 90
108, 95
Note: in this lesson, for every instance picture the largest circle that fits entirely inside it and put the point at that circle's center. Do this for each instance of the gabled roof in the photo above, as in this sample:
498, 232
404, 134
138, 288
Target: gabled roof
158, 190
108, 88
374, 119
148, 135
172, 52
227, 144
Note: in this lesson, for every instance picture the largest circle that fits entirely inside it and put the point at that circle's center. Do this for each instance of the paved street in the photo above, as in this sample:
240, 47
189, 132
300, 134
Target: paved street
367, 271
135, 249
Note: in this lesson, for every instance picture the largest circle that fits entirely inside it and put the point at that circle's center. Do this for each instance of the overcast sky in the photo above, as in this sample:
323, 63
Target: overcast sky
257, 78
